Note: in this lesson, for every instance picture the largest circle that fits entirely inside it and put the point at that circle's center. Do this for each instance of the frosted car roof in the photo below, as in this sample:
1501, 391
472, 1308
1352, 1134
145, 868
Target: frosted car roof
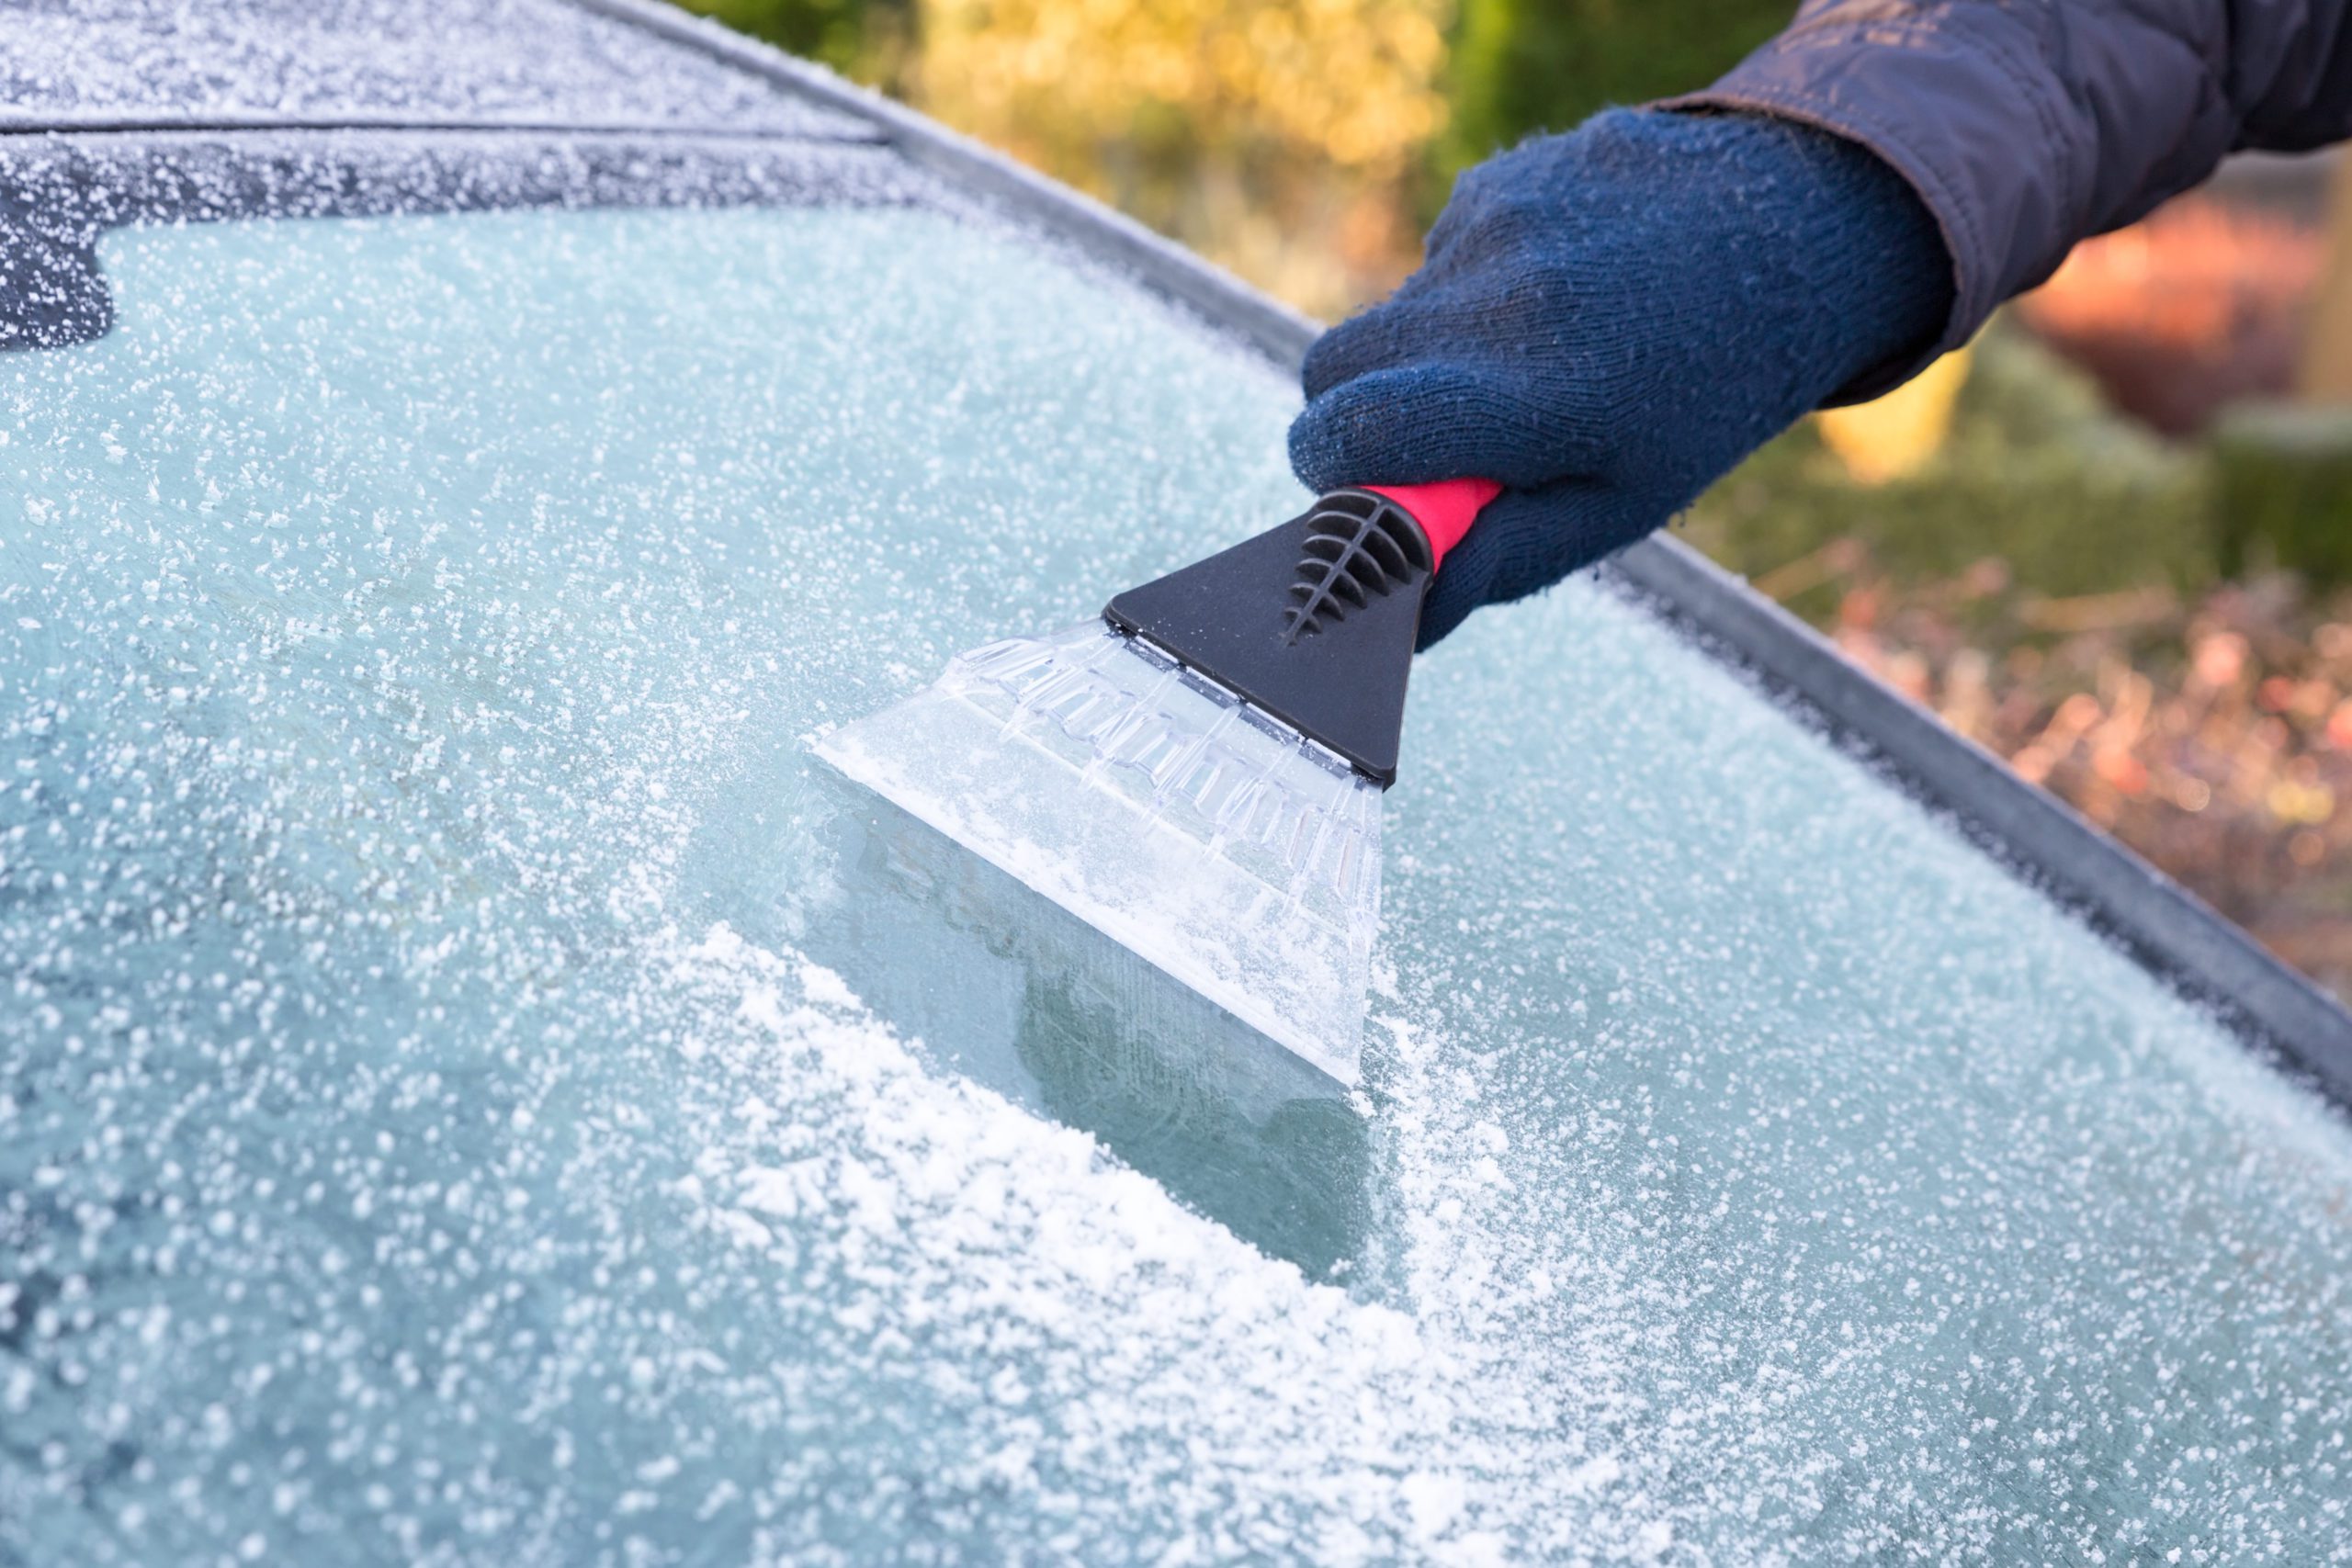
147, 62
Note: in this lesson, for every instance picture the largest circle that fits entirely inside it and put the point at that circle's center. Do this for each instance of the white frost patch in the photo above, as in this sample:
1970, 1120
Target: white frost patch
1110, 1339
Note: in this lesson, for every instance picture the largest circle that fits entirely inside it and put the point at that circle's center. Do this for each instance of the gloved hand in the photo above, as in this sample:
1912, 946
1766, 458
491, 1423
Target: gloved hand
1608, 321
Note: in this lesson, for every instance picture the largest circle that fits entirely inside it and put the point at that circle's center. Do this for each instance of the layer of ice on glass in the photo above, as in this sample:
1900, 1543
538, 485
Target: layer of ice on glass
1209, 837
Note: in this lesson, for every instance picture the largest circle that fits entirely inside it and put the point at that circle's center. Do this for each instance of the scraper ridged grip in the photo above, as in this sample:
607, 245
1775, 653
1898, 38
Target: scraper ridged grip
1313, 623
1360, 545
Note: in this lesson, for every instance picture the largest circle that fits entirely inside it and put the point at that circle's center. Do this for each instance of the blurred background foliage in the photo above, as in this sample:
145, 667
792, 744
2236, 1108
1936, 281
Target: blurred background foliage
1235, 125
2112, 541
1519, 66
869, 40
1305, 145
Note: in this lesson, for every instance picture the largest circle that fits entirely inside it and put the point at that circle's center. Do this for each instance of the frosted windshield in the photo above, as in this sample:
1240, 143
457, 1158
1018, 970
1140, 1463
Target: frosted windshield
472, 1088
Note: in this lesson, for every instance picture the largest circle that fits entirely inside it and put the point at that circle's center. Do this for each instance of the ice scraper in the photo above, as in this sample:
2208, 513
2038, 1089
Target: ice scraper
1198, 773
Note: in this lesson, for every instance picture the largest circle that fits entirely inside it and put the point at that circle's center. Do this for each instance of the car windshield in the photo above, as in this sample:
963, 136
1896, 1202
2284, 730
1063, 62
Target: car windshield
472, 1086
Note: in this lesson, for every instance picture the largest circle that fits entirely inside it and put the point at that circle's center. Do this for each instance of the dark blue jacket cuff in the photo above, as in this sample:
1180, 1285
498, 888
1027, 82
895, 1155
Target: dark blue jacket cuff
2024, 128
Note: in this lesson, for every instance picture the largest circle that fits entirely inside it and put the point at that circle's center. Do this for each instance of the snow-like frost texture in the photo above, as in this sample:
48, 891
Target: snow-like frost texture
65, 63
473, 1089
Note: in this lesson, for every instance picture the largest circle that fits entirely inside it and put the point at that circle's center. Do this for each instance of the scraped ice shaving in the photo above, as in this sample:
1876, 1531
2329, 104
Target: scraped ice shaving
1213, 880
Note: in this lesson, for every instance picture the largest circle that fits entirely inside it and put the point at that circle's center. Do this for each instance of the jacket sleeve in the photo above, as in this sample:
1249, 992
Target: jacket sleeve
2026, 125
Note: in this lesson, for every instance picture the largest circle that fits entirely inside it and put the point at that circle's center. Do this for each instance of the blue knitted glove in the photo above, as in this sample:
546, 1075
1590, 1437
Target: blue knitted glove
1610, 318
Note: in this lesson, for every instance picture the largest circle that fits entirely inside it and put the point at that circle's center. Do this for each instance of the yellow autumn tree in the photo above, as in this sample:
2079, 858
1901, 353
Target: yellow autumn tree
1278, 137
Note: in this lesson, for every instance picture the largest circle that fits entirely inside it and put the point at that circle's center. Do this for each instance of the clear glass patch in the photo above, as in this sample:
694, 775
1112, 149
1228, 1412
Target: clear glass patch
1101, 775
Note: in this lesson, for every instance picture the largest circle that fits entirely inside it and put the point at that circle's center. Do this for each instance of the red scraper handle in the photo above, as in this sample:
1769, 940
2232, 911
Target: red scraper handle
1445, 510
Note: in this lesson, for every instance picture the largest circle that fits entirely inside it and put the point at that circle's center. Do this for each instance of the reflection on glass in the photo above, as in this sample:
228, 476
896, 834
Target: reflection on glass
1041, 1006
